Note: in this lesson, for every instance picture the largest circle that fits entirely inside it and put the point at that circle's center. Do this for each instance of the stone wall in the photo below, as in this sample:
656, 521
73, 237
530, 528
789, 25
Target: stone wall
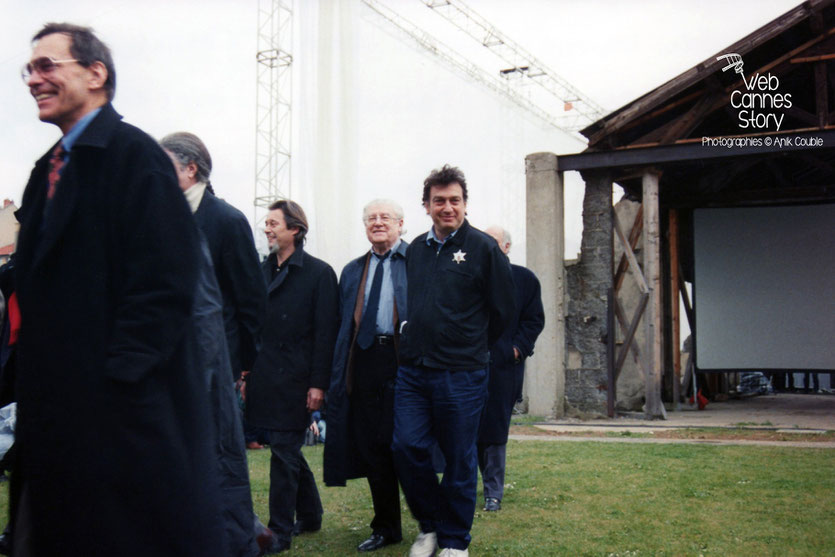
588, 281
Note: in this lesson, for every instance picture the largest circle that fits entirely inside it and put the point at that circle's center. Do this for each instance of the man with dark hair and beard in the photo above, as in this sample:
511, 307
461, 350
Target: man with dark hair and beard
293, 368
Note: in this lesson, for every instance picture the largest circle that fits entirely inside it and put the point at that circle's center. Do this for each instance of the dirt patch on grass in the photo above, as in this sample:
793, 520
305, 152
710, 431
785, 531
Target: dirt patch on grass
685, 433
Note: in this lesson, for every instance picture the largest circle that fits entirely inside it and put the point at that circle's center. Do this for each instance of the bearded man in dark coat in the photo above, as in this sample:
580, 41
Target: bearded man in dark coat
113, 453
293, 368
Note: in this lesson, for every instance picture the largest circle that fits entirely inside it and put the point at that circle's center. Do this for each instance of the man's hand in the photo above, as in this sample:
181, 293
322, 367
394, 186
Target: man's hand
314, 399
517, 356
314, 427
240, 384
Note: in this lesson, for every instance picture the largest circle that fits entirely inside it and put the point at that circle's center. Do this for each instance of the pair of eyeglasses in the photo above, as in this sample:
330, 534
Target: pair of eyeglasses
43, 65
385, 219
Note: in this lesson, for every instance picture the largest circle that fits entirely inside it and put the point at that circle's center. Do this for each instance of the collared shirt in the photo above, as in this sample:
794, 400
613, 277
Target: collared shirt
431, 237
68, 141
385, 311
72, 136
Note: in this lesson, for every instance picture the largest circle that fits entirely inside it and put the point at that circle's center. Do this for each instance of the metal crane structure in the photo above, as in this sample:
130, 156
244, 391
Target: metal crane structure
274, 90
461, 63
571, 111
579, 110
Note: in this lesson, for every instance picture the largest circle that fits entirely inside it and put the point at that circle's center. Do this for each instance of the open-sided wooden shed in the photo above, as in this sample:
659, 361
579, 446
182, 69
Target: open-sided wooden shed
751, 126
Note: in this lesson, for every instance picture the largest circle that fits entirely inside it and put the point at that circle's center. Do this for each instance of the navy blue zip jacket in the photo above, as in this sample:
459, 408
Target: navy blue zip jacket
460, 299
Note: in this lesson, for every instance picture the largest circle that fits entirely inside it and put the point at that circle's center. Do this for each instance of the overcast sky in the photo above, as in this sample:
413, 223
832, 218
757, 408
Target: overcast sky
372, 113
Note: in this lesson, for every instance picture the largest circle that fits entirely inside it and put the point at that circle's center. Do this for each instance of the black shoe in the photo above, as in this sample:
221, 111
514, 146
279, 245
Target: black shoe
375, 542
6, 543
492, 504
302, 526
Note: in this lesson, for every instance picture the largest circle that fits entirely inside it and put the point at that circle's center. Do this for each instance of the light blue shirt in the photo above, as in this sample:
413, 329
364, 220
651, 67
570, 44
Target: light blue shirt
385, 311
430, 237
76, 131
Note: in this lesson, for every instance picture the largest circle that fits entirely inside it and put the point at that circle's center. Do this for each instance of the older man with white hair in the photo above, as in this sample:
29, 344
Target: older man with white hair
361, 395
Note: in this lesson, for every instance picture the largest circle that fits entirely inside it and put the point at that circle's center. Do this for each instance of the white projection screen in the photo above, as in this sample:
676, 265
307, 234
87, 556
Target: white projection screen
764, 288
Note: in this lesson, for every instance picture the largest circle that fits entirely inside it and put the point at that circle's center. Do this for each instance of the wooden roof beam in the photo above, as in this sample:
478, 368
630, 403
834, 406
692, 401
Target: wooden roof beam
711, 65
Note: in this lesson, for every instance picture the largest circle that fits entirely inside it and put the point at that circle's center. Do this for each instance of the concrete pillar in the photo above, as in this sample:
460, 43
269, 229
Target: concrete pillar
545, 371
653, 317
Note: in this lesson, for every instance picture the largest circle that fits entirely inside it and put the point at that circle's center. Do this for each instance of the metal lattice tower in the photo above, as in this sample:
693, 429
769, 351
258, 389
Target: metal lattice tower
579, 110
273, 131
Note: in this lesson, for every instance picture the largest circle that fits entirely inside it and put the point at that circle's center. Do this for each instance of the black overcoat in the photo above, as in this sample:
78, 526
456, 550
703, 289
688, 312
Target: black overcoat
239, 276
113, 447
297, 342
507, 375
233, 471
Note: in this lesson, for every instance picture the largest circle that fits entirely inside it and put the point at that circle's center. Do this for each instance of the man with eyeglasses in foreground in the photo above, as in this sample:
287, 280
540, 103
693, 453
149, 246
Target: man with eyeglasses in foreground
361, 395
114, 456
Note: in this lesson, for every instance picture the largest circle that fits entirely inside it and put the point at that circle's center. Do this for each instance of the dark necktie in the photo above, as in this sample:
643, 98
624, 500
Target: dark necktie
368, 324
56, 161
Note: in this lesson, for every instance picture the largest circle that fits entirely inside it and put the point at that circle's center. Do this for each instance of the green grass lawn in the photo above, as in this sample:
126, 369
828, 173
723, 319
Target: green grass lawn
586, 498
603, 499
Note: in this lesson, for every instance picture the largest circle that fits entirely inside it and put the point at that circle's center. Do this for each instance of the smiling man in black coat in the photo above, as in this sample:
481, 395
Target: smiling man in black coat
460, 297
113, 453
293, 368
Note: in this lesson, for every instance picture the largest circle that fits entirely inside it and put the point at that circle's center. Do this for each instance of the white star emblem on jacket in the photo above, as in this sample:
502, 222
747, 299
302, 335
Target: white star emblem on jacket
458, 256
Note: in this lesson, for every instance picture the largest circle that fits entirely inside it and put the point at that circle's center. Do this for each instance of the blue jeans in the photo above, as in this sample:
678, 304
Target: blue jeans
439, 407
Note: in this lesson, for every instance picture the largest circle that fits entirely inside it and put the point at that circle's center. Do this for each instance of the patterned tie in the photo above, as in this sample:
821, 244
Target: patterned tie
55, 164
368, 324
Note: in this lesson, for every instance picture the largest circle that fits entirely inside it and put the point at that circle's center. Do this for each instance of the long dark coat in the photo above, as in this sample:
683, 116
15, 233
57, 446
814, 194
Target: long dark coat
113, 447
239, 276
506, 375
297, 345
230, 451
340, 462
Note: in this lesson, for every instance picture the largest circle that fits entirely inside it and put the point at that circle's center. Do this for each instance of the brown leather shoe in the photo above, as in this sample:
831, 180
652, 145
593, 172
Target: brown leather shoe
268, 543
254, 446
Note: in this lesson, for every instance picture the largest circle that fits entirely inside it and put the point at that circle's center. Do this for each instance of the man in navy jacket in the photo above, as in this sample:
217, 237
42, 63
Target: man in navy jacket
460, 297
507, 372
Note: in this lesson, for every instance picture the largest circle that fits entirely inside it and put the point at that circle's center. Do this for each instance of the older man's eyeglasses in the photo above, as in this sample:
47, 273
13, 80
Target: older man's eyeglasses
43, 65
384, 218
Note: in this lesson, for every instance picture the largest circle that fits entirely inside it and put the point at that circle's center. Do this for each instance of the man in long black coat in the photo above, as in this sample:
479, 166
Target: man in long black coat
228, 316
507, 372
293, 368
114, 456
234, 258
233, 250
